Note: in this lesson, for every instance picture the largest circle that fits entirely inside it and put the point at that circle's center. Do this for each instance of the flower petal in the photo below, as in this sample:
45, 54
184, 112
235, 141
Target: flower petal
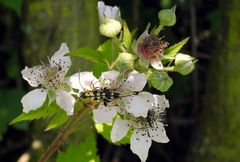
158, 133
135, 81
101, 9
160, 103
33, 99
111, 12
104, 114
156, 63
120, 129
140, 144
34, 75
84, 81
65, 100
139, 104
59, 60
109, 78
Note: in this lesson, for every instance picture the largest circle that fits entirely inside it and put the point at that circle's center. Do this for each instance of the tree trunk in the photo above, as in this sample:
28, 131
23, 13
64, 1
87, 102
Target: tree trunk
48, 23
218, 136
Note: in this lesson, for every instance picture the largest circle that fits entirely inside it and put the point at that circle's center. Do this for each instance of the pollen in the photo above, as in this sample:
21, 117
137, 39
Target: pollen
152, 46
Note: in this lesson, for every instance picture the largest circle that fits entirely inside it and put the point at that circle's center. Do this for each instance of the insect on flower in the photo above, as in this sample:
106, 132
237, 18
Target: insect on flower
112, 94
145, 129
102, 93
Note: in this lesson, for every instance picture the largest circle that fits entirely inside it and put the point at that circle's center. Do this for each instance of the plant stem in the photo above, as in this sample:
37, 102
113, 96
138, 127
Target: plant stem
61, 136
168, 69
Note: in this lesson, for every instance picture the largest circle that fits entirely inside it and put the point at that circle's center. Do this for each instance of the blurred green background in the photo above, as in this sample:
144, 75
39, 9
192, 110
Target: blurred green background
204, 118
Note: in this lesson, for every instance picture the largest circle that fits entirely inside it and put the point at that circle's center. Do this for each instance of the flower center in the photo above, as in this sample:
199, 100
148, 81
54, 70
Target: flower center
152, 46
53, 77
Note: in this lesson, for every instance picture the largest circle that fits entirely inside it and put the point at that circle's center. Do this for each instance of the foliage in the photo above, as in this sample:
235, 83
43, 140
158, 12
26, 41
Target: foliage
57, 115
15, 5
85, 151
8, 108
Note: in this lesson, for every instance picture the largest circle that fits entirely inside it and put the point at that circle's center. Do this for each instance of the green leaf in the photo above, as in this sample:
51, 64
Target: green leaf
110, 50
97, 69
9, 107
45, 111
105, 131
57, 120
160, 80
84, 152
127, 38
167, 17
89, 54
125, 61
15, 5
173, 50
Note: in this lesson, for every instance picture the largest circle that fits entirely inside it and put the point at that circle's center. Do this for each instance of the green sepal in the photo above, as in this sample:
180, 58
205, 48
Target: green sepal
160, 80
173, 50
124, 62
127, 38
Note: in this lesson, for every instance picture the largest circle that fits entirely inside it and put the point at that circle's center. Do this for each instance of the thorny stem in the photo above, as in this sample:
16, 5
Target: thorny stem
61, 136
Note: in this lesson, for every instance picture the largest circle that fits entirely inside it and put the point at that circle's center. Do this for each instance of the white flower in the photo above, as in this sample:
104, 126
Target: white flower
50, 77
130, 98
150, 49
144, 129
110, 19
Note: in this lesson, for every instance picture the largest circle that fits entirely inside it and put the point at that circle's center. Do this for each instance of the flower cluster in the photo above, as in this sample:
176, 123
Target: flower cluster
133, 108
118, 94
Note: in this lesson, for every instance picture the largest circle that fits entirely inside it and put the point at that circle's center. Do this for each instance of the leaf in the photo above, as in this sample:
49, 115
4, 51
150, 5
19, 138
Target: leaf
105, 131
15, 5
9, 107
84, 152
58, 120
109, 50
173, 50
97, 69
127, 38
89, 54
160, 80
44, 112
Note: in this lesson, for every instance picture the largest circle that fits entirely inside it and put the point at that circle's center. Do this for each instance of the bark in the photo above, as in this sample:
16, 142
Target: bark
48, 23
218, 134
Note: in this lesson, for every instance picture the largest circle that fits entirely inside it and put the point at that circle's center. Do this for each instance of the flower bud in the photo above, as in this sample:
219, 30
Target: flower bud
110, 20
184, 64
167, 17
